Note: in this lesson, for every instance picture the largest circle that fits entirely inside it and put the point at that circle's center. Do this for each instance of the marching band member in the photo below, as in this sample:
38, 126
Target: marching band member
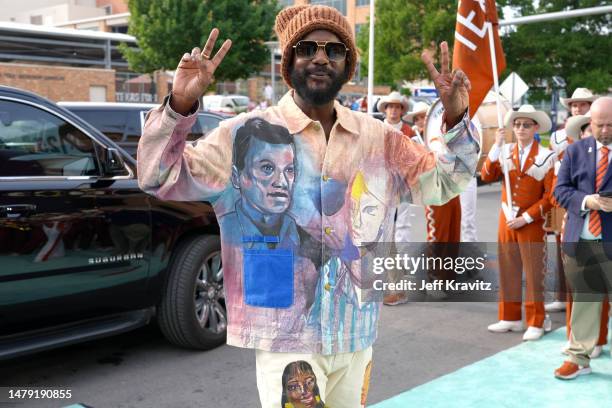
521, 236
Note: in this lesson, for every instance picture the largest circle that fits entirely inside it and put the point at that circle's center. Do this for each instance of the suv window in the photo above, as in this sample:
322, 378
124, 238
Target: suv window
203, 126
112, 123
34, 142
133, 127
207, 124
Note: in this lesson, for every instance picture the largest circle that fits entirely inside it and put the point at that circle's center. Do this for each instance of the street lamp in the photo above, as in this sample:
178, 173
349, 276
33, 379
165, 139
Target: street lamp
272, 46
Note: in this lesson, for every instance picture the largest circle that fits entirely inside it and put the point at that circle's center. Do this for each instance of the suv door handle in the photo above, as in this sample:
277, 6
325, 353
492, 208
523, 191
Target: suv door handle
16, 210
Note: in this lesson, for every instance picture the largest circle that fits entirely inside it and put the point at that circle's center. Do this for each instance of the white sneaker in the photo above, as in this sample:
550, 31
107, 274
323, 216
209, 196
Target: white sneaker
505, 326
533, 333
556, 306
596, 352
547, 324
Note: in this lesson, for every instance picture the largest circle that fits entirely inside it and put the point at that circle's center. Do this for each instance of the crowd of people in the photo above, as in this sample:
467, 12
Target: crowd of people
534, 201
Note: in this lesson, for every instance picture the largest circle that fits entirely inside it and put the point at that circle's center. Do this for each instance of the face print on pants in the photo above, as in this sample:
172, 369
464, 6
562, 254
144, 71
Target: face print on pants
366, 384
300, 388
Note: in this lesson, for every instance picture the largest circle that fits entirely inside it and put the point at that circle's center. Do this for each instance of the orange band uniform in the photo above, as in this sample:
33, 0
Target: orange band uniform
531, 192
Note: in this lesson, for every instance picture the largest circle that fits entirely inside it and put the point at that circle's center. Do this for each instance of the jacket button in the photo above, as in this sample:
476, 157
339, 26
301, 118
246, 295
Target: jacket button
327, 287
328, 230
325, 178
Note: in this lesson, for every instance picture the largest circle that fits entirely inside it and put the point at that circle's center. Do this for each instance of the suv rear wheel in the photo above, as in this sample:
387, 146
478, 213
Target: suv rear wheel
192, 312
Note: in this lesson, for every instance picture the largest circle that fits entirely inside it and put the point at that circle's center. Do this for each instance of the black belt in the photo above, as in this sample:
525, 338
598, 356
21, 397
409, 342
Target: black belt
590, 240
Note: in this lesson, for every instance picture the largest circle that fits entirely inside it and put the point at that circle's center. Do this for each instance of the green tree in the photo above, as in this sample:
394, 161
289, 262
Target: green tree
402, 30
577, 49
166, 29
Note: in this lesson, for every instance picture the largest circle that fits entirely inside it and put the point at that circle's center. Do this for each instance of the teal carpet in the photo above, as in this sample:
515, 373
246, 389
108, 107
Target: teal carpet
521, 376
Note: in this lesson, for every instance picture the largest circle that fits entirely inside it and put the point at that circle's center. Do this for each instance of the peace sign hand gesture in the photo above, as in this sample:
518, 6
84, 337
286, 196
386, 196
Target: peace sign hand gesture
453, 87
195, 72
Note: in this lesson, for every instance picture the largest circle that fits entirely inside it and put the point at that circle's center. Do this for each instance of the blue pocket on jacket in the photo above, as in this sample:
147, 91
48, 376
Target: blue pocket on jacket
268, 277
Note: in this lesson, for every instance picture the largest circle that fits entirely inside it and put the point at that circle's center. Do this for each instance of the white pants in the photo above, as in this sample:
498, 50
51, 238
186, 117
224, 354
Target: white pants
403, 223
468, 212
292, 380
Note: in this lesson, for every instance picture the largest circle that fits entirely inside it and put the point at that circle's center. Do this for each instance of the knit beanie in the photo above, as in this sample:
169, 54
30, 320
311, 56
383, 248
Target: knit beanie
293, 23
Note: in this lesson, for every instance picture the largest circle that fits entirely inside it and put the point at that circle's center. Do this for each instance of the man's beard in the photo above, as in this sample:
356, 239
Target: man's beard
317, 97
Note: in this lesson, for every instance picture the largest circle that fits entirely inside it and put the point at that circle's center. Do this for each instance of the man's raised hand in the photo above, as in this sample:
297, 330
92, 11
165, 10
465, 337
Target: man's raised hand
195, 72
453, 87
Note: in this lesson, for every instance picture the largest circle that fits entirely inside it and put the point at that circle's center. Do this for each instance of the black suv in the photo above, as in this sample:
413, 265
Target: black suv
84, 253
123, 122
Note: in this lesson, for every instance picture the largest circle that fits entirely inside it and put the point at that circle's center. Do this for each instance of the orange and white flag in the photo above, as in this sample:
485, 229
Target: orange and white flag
471, 51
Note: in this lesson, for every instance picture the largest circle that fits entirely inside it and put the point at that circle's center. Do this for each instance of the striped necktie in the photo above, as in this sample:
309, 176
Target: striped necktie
602, 167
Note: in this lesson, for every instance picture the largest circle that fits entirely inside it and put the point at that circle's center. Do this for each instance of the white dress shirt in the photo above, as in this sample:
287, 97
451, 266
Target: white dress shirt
523, 153
397, 125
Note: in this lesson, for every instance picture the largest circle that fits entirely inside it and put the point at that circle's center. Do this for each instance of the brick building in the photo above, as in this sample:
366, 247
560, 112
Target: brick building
71, 52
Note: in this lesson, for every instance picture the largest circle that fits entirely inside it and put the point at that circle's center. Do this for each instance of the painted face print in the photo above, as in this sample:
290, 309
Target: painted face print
367, 209
267, 180
300, 388
366, 384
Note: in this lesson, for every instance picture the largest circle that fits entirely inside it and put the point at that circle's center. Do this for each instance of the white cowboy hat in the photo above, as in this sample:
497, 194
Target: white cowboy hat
574, 123
419, 107
528, 111
393, 97
579, 95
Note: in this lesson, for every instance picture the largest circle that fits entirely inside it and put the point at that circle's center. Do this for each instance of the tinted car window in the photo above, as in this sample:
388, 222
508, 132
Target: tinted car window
201, 127
241, 101
207, 123
112, 123
133, 128
34, 142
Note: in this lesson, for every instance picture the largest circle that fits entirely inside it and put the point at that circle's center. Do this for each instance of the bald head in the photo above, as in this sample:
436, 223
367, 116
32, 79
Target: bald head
601, 119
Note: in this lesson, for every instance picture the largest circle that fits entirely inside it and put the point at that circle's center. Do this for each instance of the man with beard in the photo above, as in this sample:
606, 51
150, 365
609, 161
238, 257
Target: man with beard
270, 294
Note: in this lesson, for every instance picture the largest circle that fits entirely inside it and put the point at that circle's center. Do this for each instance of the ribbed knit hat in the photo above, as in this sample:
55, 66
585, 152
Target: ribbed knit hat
293, 23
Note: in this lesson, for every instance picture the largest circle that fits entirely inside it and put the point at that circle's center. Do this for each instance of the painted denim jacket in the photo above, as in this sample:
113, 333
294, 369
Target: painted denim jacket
298, 213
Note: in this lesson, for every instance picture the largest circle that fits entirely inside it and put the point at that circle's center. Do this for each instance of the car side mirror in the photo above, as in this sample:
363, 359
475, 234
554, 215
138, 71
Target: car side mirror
113, 162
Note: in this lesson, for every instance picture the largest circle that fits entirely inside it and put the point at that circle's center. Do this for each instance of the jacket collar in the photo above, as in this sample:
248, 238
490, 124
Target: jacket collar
533, 152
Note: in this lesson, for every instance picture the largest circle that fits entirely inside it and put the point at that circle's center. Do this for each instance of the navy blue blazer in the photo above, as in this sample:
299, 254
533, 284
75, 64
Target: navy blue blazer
576, 179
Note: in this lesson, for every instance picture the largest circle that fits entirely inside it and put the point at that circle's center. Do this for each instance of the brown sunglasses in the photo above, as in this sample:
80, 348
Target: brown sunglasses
335, 51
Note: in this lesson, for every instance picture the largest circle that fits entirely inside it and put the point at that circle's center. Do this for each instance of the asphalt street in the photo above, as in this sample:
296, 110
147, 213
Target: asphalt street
417, 342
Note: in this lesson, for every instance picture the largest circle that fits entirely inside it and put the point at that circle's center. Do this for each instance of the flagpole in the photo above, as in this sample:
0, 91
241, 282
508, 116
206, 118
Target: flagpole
371, 61
508, 211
